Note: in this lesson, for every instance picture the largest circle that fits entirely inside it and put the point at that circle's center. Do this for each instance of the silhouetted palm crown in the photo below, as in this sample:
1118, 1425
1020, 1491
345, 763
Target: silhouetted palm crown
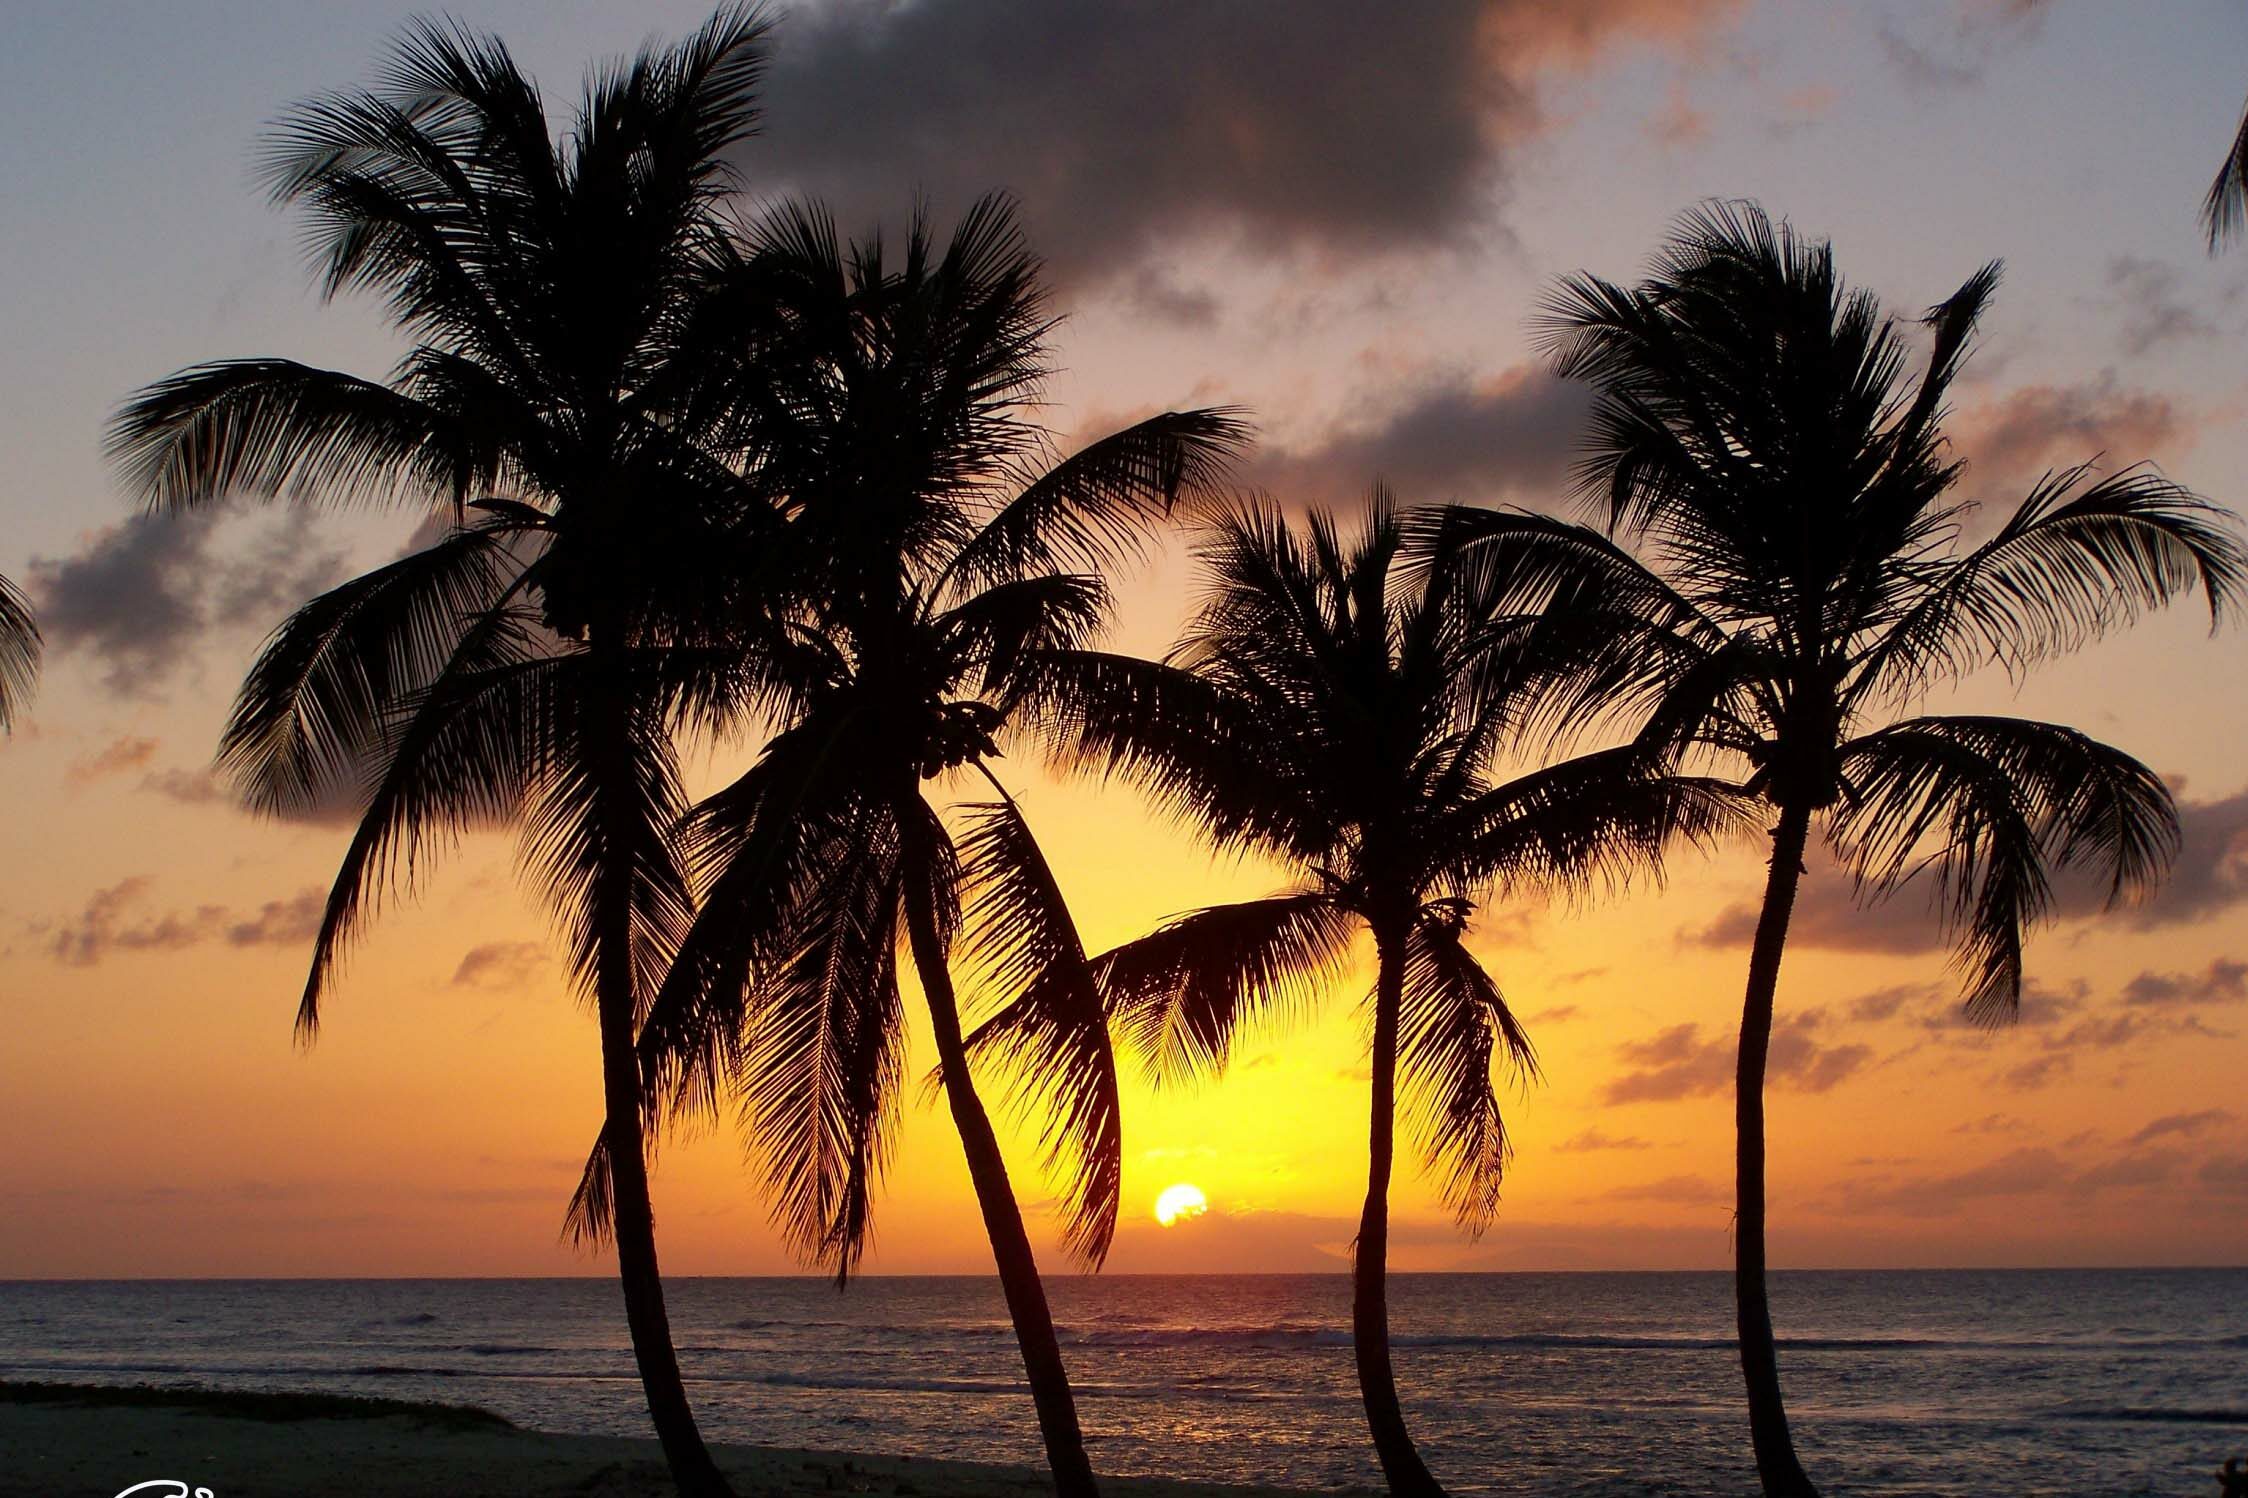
1757, 434
938, 562
1756, 430
565, 399
556, 294
1340, 704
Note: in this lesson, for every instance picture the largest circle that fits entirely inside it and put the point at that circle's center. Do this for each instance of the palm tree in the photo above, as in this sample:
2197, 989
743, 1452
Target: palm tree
531, 665
941, 563
1339, 704
1757, 431
19, 653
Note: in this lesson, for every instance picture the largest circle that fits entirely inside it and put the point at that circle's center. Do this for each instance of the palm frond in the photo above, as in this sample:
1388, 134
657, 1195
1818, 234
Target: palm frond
1182, 993
268, 427
2225, 209
992, 633
1050, 1025
465, 755
757, 848
1597, 820
317, 702
590, 1219
1197, 750
596, 825
2076, 560
19, 653
1990, 807
1453, 1025
1096, 504
822, 1062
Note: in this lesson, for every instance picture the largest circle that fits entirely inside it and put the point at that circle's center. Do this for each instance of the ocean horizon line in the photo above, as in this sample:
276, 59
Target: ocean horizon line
1122, 1274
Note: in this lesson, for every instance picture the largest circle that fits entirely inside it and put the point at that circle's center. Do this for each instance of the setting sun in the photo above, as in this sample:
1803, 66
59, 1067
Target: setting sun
1177, 1203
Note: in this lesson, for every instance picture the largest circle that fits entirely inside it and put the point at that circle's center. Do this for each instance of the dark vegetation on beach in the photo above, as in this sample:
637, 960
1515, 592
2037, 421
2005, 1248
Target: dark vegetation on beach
280, 1408
704, 472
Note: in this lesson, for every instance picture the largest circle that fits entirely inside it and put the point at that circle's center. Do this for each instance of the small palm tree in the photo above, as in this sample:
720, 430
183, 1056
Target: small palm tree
1757, 432
941, 563
19, 653
1339, 705
532, 665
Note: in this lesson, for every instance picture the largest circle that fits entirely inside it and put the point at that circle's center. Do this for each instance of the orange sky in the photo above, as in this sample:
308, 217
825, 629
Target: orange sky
152, 937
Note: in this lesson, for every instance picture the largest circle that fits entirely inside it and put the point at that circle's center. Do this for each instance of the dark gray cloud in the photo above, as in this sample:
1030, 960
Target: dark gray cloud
500, 965
117, 757
2038, 1072
1680, 1190
2210, 876
1882, 1003
1133, 127
1991, 1123
1596, 1139
2134, 1169
138, 598
2011, 441
2156, 311
1934, 48
1506, 439
1681, 1062
2223, 981
1828, 915
202, 787
113, 920
2225, 1173
2021, 1173
2182, 1125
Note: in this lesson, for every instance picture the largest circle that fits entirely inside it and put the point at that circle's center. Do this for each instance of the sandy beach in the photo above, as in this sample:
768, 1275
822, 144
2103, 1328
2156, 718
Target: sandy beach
64, 1441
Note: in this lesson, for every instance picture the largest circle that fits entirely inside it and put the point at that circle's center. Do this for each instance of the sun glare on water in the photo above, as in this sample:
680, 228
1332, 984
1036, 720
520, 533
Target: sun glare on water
1180, 1202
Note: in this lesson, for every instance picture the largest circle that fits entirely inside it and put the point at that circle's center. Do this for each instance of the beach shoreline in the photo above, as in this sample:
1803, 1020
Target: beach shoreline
68, 1440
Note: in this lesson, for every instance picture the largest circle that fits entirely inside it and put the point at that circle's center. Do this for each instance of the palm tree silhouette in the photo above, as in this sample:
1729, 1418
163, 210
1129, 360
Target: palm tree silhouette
19, 653
1338, 705
1756, 428
940, 564
531, 665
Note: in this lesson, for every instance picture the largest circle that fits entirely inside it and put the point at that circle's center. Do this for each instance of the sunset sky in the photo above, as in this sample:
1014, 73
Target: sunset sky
1340, 216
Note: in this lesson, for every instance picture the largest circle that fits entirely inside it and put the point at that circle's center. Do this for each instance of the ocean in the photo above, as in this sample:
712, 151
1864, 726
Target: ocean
2093, 1384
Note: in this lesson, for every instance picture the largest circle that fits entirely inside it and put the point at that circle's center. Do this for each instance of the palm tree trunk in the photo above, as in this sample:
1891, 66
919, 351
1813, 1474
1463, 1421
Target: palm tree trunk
1369, 1265
1776, 1465
1003, 1219
632, 1212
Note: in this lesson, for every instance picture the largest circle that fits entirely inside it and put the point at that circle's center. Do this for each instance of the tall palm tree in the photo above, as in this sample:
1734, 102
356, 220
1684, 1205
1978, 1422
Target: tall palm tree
1757, 432
532, 664
1339, 704
19, 653
941, 561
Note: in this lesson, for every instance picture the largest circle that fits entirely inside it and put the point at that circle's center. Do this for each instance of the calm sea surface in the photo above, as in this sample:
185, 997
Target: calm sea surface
2030, 1382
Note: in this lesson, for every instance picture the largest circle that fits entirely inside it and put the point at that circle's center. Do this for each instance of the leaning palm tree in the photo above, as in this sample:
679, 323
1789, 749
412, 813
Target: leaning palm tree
531, 665
19, 653
1340, 704
1807, 581
939, 560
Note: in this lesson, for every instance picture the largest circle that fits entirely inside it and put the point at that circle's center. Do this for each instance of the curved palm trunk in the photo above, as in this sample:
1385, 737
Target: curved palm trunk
632, 1211
1003, 1219
1369, 1265
1776, 1465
